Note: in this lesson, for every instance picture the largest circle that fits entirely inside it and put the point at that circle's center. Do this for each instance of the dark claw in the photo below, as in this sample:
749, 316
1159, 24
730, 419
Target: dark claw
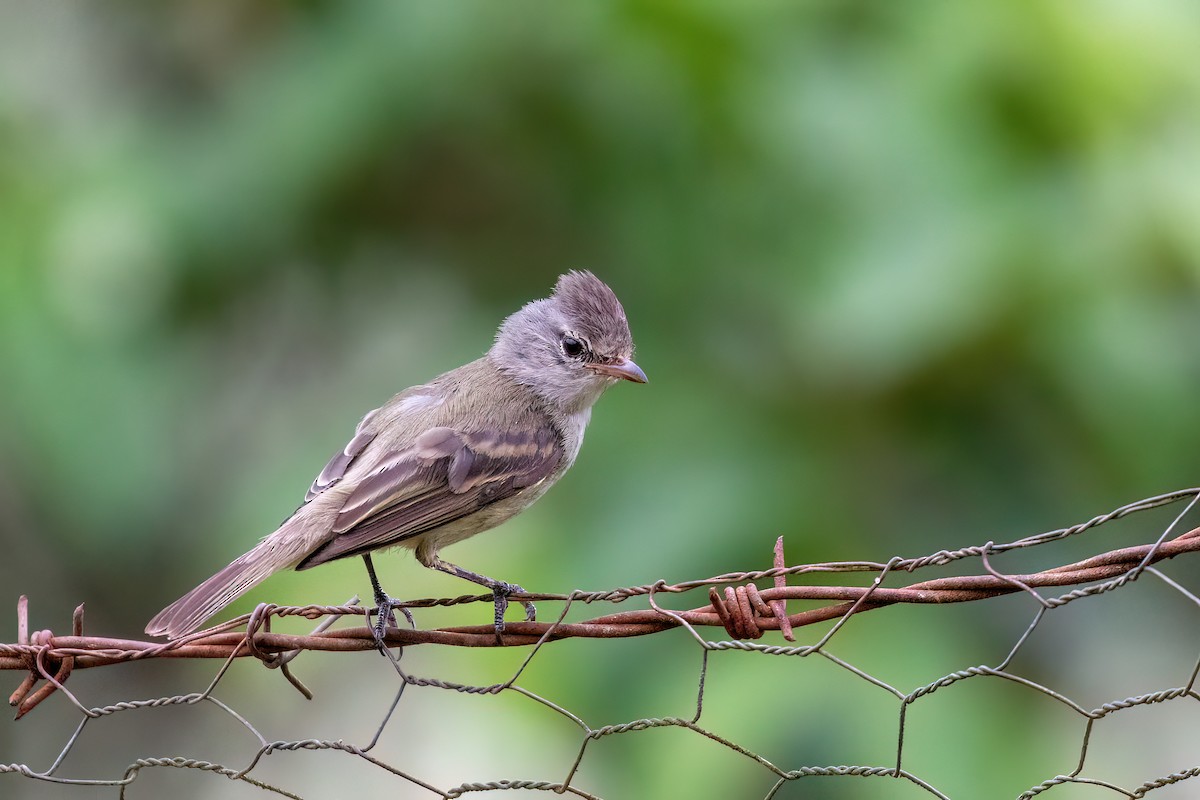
412, 623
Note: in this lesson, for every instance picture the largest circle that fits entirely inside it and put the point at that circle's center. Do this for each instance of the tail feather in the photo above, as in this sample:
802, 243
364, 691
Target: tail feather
245, 572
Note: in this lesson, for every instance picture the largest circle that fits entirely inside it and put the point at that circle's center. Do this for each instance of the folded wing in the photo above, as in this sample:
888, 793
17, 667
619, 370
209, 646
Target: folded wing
444, 476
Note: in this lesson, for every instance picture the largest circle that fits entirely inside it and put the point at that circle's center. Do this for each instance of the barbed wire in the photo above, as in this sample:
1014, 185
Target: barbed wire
736, 603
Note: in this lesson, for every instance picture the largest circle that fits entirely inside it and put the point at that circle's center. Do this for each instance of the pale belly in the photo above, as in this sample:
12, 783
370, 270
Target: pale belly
429, 543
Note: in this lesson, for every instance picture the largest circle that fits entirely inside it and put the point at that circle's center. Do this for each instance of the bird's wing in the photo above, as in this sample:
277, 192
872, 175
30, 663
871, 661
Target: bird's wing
445, 475
335, 470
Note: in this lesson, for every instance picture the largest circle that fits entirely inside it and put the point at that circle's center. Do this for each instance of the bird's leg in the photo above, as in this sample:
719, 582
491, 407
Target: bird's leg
384, 606
500, 589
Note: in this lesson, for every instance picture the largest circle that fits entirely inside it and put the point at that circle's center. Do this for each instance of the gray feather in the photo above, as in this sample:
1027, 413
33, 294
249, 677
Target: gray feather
414, 495
277, 551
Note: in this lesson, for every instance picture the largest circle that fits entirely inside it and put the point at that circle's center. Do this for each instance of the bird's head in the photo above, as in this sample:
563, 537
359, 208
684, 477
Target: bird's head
569, 347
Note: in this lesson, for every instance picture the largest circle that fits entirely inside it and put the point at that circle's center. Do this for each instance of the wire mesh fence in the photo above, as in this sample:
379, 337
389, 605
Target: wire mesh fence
758, 613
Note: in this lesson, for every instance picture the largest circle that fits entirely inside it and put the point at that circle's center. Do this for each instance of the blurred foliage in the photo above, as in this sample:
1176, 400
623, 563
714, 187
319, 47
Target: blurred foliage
904, 276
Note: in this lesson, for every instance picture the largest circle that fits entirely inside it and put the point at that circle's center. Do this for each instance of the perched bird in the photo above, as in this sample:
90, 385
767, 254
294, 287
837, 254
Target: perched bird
445, 460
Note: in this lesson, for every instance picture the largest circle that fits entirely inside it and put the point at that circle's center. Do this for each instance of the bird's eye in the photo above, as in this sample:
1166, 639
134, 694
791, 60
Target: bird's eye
572, 346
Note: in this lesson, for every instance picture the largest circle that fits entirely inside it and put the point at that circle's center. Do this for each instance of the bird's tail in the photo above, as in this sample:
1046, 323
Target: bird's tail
247, 571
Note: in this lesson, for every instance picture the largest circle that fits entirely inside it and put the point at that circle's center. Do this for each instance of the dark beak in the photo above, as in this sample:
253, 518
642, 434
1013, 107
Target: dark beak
624, 369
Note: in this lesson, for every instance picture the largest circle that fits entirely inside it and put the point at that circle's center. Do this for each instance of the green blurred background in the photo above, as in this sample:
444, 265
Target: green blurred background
904, 276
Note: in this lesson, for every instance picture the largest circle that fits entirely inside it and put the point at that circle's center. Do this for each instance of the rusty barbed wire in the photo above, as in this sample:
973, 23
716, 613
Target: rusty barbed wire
736, 603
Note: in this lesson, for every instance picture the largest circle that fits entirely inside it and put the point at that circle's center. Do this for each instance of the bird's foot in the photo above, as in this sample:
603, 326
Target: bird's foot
501, 592
385, 615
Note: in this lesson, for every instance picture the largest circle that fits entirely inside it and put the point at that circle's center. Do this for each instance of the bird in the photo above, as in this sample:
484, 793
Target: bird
445, 460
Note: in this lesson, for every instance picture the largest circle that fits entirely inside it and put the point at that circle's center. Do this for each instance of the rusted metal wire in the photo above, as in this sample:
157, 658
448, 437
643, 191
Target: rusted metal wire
737, 603
744, 611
